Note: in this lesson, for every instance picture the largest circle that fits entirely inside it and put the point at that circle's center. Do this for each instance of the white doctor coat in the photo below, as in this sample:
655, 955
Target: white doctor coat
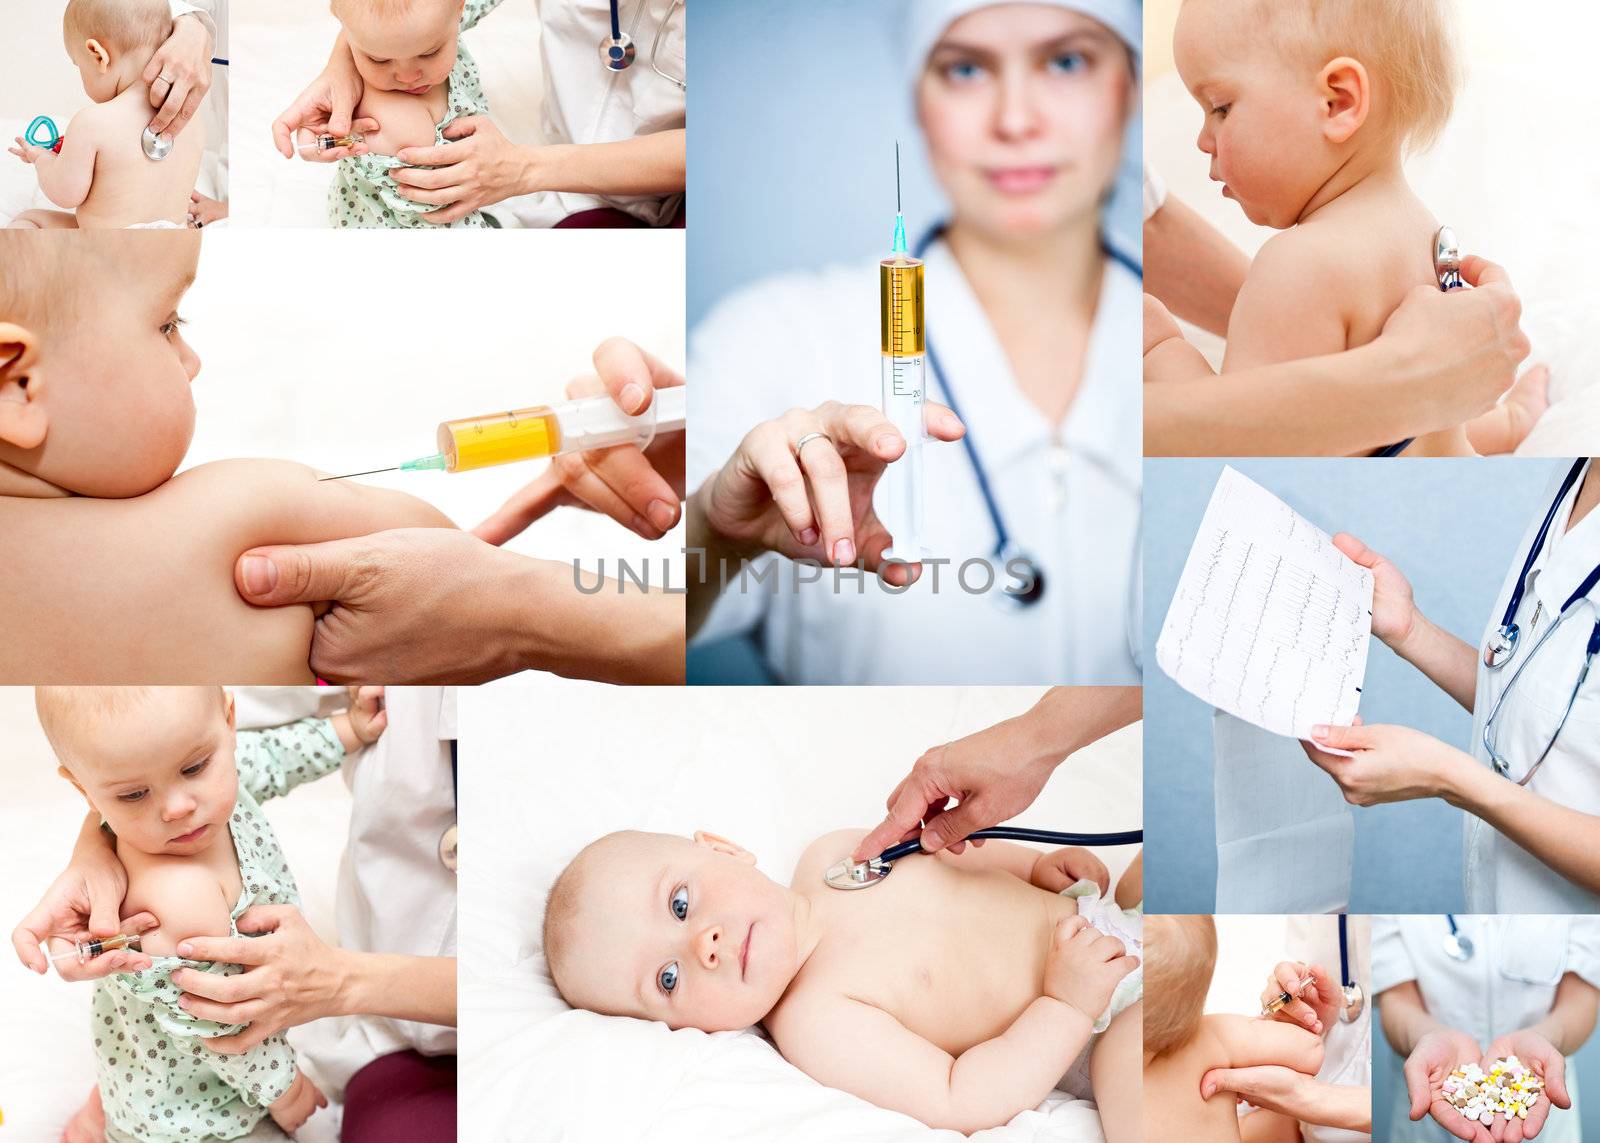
584, 102
1501, 876
1069, 494
1509, 984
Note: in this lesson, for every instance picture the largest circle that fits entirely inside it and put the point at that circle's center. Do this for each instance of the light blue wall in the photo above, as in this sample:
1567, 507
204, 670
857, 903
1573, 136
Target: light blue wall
796, 107
1452, 527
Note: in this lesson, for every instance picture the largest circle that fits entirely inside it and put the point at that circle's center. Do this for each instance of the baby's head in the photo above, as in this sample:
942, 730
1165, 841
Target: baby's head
686, 931
155, 762
94, 371
401, 45
1180, 953
1291, 89
111, 41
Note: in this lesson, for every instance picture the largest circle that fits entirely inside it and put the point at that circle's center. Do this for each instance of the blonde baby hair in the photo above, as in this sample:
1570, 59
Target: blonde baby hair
125, 25
1180, 953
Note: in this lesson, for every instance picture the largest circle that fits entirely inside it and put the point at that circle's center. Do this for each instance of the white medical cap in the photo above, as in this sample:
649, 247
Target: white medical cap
924, 21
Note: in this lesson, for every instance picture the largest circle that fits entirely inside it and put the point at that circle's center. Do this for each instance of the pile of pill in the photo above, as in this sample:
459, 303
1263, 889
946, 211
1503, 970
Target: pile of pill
1508, 1088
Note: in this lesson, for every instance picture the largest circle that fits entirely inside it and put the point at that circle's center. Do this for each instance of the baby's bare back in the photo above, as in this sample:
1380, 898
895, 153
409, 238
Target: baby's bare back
954, 954
1173, 1108
129, 188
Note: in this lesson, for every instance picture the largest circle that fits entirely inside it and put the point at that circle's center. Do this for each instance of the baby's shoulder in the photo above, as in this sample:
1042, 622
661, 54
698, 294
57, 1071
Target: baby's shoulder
187, 898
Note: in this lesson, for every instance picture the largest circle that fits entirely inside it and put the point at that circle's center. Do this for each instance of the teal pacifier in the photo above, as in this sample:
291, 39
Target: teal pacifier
46, 126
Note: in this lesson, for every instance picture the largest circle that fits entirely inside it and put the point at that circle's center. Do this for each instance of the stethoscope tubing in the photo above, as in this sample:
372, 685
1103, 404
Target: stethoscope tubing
1017, 833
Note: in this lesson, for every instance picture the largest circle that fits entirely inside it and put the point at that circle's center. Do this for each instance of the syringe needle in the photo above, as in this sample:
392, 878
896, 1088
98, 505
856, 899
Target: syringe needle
897, 207
353, 475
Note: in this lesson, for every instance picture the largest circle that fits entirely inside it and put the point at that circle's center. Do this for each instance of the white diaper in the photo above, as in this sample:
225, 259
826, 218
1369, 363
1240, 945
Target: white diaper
160, 224
1127, 925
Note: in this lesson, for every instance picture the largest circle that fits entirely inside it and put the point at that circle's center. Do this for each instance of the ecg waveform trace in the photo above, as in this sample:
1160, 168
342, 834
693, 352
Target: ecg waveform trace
1270, 621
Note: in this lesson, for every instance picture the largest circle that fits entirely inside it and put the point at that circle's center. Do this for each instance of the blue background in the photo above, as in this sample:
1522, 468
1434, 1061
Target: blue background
1452, 527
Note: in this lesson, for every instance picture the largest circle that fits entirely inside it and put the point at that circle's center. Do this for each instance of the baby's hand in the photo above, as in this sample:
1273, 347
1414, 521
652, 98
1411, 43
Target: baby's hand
1059, 870
298, 1104
26, 151
368, 716
1084, 966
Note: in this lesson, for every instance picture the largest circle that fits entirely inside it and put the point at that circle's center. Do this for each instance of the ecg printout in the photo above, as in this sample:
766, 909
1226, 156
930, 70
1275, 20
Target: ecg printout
1270, 621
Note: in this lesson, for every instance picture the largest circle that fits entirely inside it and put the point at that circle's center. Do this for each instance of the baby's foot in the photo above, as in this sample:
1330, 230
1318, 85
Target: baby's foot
89, 1125
1527, 401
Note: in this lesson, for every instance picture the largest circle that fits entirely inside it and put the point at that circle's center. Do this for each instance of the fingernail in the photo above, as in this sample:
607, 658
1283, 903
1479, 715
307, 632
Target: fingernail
662, 514
884, 443
632, 397
260, 575
844, 552
808, 537
1319, 732
1208, 1091
1316, 1025
185, 949
643, 526
183, 1002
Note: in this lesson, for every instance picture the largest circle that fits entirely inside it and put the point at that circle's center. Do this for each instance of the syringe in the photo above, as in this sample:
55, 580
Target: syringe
94, 946
904, 371
545, 430
1277, 1003
308, 142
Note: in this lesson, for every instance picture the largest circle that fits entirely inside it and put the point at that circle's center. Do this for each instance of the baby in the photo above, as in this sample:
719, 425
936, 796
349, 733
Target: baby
102, 173
417, 80
1309, 109
178, 790
1181, 1044
960, 1013
112, 569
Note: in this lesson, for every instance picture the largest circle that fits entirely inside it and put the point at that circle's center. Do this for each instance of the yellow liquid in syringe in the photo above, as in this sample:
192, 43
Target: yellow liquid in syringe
478, 442
900, 306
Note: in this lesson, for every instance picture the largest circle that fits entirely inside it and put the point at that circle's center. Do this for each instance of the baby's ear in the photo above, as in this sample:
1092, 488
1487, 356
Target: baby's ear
102, 57
718, 844
23, 421
1346, 92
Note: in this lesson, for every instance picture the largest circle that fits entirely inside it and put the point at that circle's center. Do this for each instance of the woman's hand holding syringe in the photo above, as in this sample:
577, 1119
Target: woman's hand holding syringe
1301, 994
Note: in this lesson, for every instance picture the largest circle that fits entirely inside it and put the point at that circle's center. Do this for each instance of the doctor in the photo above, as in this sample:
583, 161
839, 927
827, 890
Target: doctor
1455, 990
1532, 780
1034, 321
1336, 1105
614, 153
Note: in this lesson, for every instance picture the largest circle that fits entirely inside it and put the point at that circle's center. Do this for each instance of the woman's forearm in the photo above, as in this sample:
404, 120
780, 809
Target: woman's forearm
610, 631
1405, 1018
710, 559
1561, 837
645, 165
417, 988
1191, 267
1571, 1019
1448, 660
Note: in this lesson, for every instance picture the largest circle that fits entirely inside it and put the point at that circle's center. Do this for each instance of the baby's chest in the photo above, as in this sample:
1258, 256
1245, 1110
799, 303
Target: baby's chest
403, 120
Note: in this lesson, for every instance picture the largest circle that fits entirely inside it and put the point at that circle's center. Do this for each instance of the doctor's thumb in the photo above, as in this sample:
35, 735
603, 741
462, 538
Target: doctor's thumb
312, 573
952, 826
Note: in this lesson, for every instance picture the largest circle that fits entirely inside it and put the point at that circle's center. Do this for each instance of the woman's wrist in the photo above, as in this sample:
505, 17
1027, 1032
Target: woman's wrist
578, 625
1468, 786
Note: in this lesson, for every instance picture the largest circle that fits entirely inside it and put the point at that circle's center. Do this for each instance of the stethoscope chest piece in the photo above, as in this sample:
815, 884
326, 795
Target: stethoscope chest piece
1354, 1001
1024, 579
1447, 259
1499, 648
617, 52
448, 851
156, 147
1458, 946
847, 874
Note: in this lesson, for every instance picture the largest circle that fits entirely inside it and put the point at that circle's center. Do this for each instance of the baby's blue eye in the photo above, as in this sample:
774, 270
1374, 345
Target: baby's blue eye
680, 902
1069, 62
668, 979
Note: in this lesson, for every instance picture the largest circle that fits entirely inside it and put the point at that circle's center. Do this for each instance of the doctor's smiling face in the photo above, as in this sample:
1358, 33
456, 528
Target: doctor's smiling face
667, 928
1023, 107
401, 45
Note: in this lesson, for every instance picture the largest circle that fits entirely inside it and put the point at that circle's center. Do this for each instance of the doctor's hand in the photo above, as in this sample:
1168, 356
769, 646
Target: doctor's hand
1548, 1064
290, 977
84, 901
1390, 763
179, 75
1314, 1010
1295, 1094
642, 491
1437, 1054
814, 502
329, 104
1394, 612
476, 167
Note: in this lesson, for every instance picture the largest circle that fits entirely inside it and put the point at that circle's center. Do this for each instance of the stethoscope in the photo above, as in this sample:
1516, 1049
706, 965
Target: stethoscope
847, 874
1457, 945
1501, 646
449, 841
1447, 268
617, 52
1006, 551
1354, 1000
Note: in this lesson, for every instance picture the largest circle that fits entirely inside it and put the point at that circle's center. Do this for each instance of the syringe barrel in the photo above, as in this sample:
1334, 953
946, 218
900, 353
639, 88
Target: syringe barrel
900, 306
904, 375
550, 430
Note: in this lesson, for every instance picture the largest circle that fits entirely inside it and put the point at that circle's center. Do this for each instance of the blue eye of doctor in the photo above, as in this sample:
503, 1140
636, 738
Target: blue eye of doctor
679, 903
1068, 62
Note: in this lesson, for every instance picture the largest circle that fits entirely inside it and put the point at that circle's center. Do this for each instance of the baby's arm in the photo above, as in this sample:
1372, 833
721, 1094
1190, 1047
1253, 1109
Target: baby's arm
1251, 1042
364, 722
66, 177
1017, 860
186, 899
851, 1045
1288, 307
1168, 356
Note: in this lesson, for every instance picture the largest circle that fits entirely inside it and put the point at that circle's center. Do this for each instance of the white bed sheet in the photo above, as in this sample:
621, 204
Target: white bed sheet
46, 1073
285, 45
1508, 142
556, 765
